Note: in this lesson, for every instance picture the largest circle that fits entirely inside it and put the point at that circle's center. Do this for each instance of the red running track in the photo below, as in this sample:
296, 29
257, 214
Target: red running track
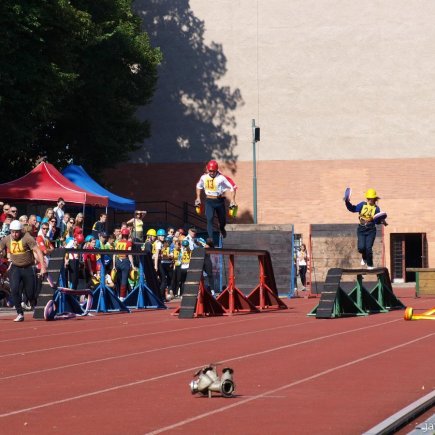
129, 373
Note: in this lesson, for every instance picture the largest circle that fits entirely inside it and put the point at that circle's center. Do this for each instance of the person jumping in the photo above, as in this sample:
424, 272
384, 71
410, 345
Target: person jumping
215, 185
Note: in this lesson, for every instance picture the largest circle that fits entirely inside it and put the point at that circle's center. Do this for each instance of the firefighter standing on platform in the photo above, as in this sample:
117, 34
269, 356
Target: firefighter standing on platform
368, 211
215, 185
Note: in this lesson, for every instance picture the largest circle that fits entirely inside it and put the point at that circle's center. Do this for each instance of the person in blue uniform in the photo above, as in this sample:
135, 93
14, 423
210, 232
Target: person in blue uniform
369, 216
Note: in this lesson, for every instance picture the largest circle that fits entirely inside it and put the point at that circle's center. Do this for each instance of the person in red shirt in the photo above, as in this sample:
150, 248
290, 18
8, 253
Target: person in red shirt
78, 226
44, 242
90, 259
122, 262
6, 208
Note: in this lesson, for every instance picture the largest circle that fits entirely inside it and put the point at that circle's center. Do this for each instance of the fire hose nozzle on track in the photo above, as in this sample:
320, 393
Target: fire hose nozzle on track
207, 381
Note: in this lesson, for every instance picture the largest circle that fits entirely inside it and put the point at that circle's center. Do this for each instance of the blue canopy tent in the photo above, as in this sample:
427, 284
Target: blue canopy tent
80, 177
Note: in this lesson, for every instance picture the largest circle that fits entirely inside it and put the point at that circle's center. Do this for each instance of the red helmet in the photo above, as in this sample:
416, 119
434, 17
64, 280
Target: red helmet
212, 165
80, 238
125, 232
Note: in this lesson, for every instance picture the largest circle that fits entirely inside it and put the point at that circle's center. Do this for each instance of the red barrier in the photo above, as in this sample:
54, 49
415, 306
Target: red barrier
263, 296
232, 299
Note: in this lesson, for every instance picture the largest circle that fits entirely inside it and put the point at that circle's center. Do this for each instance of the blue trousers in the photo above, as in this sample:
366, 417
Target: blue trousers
366, 238
123, 268
213, 206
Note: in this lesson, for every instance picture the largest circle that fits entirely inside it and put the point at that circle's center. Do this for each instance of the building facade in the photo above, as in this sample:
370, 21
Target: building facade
344, 93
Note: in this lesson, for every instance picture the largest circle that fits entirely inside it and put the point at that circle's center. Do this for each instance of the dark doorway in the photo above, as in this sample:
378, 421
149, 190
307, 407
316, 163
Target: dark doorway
407, 250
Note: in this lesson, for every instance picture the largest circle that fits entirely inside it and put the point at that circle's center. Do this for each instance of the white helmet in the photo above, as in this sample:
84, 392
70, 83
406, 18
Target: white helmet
15, 225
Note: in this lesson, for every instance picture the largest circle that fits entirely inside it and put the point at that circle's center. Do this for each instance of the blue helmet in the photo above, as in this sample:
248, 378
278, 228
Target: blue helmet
185, 242
161, 232
89, 238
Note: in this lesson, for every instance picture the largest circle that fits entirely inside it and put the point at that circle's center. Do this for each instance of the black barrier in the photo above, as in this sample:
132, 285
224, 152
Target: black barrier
335, 301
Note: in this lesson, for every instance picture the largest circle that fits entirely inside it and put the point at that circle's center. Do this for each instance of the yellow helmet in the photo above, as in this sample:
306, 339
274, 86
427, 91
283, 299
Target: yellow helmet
371, 194
151, 232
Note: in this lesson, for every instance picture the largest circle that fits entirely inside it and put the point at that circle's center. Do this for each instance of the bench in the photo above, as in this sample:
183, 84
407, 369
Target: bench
424, 281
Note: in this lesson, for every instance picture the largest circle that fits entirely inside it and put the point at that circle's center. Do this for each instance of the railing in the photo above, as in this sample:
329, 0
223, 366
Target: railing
165, 213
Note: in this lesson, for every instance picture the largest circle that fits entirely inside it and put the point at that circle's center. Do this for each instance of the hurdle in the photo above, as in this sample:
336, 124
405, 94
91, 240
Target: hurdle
141, 296
104, 298
197, 301
359, 301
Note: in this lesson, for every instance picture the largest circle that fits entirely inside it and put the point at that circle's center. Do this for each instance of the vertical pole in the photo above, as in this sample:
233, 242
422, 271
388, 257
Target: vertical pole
292, 267
254, 172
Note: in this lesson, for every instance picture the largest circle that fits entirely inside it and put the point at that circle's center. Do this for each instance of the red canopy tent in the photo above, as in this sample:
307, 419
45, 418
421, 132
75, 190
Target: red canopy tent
46, 183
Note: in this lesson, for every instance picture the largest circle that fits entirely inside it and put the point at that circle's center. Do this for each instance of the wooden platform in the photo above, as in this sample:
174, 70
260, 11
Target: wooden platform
424, 281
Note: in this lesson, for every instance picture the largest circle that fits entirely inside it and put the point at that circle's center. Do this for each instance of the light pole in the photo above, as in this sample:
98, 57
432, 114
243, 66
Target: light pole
255, 139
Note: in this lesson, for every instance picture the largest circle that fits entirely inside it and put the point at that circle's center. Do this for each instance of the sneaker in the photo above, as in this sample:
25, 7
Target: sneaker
370, 267
26, 307
121, 299
363, 263
19, 318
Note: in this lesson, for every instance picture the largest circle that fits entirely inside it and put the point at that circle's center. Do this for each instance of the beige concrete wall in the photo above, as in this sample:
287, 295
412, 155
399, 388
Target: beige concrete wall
343, 92
324, 79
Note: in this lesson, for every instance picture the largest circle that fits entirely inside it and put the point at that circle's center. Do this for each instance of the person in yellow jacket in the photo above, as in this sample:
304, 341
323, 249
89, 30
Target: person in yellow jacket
369, 216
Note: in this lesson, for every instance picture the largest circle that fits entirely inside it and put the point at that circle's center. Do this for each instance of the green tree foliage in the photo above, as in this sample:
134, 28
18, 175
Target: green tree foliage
72, 74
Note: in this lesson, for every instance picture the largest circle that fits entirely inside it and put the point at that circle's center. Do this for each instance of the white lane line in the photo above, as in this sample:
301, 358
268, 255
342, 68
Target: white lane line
60, 334
192, 369
284, 387
46, 325
128, 337
128, 355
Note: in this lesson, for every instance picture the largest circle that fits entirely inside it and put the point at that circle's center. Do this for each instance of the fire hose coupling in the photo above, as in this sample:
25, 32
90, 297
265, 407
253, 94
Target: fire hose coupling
207, 381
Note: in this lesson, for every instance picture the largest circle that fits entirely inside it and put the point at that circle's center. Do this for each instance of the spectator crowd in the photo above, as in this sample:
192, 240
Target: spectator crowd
170, 250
